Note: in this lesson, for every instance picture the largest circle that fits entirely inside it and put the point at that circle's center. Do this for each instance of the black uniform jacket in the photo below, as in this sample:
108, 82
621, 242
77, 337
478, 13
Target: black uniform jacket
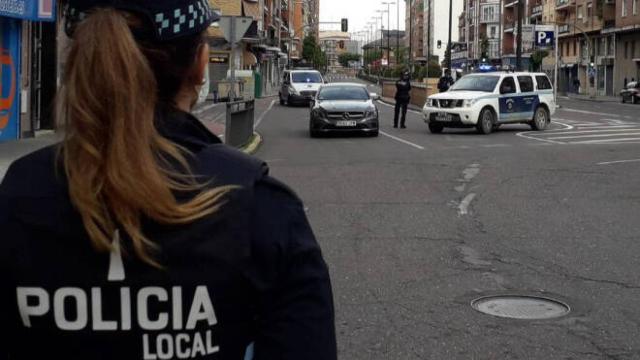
246, 283
403, 91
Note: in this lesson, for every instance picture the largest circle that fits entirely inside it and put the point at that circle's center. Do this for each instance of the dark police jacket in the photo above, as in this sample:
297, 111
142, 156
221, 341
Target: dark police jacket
248, 282
403, 91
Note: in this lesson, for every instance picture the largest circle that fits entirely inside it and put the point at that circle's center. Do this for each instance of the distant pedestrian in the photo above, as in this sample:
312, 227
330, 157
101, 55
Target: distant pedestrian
576, 85
403, 97
625, 83
445, 81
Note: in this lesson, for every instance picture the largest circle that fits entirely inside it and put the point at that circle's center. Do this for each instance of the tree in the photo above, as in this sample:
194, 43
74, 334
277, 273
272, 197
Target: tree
372, 56
484, 47
400, 55
536, 59
345, 58
309, 48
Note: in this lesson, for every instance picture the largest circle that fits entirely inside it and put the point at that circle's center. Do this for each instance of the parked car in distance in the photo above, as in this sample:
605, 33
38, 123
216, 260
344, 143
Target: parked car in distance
343, 107
631, 93
299, 86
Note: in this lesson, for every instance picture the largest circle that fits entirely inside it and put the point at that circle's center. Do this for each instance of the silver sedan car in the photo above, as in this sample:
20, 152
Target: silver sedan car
343, 107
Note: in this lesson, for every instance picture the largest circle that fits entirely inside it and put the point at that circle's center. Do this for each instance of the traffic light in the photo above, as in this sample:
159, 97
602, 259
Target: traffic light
345, 25
439, 44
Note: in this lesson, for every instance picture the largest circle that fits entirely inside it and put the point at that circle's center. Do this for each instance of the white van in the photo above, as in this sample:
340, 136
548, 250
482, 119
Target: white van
299, 86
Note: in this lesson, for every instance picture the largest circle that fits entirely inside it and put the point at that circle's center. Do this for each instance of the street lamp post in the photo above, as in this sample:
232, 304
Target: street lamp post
381, 12
388, 30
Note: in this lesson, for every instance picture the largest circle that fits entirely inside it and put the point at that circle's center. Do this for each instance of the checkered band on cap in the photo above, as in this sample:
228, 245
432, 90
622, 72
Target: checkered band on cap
170, 19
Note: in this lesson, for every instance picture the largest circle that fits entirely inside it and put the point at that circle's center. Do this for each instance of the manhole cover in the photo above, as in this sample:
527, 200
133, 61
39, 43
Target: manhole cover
521, 307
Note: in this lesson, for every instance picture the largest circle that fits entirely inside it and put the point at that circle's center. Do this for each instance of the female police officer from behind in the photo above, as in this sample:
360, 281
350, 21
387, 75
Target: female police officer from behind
140, 236
403, 97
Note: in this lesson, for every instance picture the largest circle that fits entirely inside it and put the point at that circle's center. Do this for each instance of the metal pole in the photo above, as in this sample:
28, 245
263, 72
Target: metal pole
388, 35
410, 54
232, 59
555, 72
450, 27
398, 34
519, 38
500, 32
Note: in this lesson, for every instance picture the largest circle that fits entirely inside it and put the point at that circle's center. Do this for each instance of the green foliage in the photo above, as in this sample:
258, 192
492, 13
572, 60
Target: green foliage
345, 58
400, 54
484, 47
312, 53
371, 56
536, 59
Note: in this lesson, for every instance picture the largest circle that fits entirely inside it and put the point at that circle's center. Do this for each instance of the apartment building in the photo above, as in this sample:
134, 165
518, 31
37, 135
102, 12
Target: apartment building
273, 41
415, 29
334, 44
480, 30
431, 25
627, 34
510, 26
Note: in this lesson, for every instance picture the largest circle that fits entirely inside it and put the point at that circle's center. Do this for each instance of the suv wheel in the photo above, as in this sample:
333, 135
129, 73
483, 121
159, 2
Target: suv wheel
540, 119
435, 128
486, 121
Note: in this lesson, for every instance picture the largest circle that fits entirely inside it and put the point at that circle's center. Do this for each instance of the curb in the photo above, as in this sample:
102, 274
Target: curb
588, 99
253, 145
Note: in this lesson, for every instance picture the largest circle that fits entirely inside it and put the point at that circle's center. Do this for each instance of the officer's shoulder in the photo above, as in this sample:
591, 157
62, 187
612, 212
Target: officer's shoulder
34, 174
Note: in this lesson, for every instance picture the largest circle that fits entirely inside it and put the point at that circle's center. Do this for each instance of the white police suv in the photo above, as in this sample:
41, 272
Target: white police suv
486, 101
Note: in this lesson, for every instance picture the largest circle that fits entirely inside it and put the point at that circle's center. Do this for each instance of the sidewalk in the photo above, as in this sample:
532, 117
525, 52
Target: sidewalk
213, 116
612, 99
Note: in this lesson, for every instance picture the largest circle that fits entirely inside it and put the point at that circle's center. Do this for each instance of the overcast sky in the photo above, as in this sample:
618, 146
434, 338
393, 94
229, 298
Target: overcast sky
359, 12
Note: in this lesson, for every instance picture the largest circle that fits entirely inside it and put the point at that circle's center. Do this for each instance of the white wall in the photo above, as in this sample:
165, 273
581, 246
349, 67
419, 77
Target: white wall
441, 24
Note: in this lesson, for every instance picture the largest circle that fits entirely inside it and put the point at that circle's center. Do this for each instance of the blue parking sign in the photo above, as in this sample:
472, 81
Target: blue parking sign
545, 39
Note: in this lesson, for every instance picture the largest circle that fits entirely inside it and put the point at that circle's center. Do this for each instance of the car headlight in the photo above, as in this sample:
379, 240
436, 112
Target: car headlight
431, 103
469, 102
319, 113
371, 112
293, 90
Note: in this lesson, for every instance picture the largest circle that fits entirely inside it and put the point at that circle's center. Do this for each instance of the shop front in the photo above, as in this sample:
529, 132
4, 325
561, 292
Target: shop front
15, 17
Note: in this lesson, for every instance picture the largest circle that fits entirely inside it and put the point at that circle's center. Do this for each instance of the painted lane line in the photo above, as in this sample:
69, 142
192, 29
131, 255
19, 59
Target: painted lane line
589, 112
393, 107
593, 136
525, 134
263, 114
401, 140
607, 141
619, 162
463, 208
607, 127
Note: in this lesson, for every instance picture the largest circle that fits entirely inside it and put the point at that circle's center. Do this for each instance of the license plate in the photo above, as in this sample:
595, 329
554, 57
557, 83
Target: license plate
346, 123
445, 117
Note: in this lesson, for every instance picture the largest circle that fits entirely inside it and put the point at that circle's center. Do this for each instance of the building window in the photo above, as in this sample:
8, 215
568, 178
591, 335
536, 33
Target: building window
589, 12
633, 49
635, 7
574, 48
580, 16
624, 8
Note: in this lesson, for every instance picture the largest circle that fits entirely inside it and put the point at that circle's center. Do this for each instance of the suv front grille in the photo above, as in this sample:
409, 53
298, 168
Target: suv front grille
450, 103
308, 93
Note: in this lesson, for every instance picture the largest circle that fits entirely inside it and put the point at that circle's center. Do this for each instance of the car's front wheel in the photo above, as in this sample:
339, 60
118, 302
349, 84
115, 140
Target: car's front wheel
540, 119
435, 128
486, 121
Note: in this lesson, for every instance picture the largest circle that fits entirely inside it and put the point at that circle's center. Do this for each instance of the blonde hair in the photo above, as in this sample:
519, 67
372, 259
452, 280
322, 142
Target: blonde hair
119, 168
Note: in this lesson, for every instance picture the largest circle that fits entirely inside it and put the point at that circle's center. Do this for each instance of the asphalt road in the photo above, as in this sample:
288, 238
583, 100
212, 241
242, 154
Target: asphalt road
415, 226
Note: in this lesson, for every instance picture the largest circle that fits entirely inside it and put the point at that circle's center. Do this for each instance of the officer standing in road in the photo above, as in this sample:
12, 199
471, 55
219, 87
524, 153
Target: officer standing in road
142, 236
445, 81
403, 97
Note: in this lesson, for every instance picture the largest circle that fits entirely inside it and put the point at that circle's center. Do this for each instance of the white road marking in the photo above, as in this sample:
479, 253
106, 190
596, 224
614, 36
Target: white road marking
608, 141
463, 208
589, 112
402, 140
606, 127
472, 171
619, 162
263, 115
593, 135
496, 145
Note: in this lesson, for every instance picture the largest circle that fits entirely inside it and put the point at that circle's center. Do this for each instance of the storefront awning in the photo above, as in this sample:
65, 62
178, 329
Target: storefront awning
249, 59
636, 60
34, 10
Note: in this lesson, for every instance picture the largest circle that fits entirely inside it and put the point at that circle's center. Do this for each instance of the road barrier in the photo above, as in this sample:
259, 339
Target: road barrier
240, 122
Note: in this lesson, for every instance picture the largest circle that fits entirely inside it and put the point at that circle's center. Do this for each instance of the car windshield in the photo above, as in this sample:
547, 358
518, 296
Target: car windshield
476, 83
343, 93
306, 77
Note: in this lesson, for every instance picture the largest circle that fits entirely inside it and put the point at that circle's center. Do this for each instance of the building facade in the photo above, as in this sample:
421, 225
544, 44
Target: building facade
334, 44
431, 18
480, 30
627, 34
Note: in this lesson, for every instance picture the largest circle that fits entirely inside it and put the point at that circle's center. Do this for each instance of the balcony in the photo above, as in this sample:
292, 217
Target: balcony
563, 29
564, 4
511, 3
509, 26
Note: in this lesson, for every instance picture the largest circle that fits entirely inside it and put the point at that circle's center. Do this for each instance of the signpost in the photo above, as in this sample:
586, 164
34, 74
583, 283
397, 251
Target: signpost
233, 29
